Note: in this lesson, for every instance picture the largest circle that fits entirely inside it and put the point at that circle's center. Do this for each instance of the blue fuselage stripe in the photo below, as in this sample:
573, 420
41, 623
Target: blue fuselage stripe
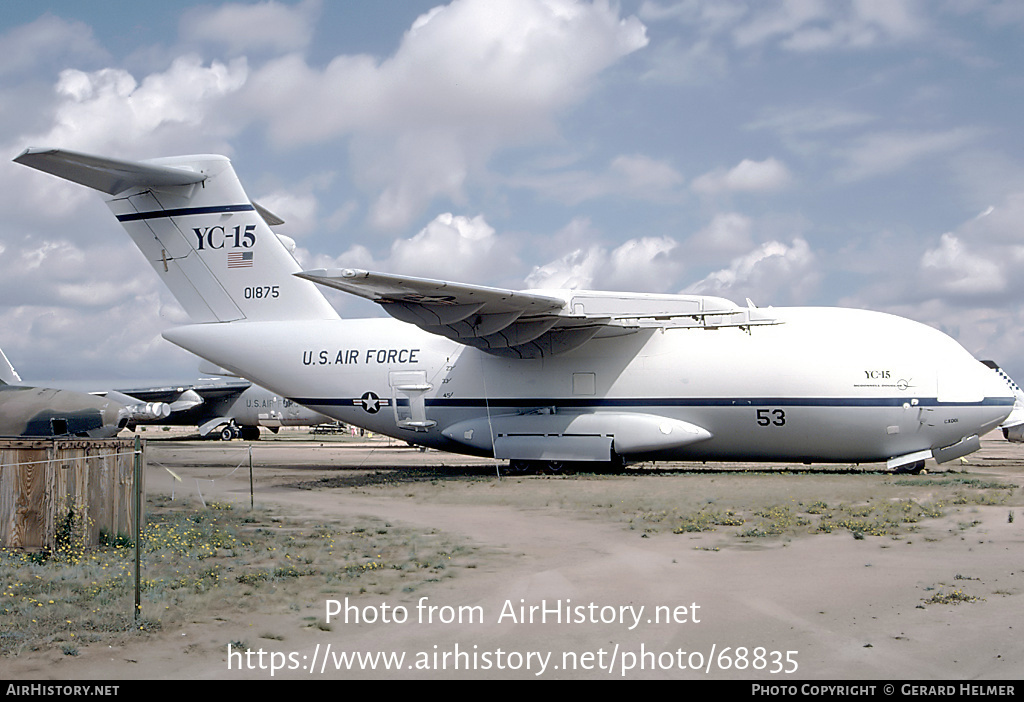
185, 211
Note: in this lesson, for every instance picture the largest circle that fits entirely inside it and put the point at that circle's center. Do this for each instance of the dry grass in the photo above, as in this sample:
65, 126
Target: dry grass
749, 505
202, 563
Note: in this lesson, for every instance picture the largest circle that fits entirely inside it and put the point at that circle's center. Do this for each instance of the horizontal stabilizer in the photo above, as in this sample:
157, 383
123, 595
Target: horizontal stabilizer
108, 175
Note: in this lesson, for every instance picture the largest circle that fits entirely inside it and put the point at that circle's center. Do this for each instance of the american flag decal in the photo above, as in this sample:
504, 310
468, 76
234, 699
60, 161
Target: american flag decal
240, 259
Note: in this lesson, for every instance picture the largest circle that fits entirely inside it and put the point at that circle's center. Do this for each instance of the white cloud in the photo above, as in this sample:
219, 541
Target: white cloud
61, 272
644, 177
955, 271
979, 262
801, 121
711, 16
118, 338
468, 79
646, 264
773, 19
634, 176
47, 40
748, 176
253, 28
576, 269
773, 274
728, 234
450, 247
965, 283
80, 307
884, 152
817, 25
109, 112
298, 204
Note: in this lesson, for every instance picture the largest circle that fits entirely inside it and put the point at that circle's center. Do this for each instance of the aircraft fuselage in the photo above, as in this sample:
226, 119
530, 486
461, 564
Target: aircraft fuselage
826, 384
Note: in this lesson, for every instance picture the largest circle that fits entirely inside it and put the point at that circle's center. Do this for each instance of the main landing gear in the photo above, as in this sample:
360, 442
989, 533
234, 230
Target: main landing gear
246, 433
525, 467
912, 468
520, 467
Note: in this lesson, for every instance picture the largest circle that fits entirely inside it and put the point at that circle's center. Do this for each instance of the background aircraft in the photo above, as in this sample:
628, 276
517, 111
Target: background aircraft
228, 409
27, 411
543, 377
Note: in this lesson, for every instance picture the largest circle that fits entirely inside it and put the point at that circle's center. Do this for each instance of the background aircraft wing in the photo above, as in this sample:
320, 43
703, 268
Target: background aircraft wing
176, 393
530, 324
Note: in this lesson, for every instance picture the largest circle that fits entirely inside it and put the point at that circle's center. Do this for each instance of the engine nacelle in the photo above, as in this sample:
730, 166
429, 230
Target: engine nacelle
149, 411
1014, 434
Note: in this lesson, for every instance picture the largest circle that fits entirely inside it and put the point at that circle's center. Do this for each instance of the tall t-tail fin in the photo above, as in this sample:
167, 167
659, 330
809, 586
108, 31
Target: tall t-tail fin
8, 376
1013, 425
192, 220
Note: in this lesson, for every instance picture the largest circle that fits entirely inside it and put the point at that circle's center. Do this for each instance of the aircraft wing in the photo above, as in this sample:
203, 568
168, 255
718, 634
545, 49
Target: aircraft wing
530, 324
187, 395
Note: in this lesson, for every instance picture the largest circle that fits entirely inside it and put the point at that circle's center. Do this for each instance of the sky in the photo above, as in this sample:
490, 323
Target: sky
853, 153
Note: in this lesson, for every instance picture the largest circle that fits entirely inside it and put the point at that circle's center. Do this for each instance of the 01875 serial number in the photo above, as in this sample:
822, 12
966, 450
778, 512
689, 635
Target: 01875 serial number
262, 292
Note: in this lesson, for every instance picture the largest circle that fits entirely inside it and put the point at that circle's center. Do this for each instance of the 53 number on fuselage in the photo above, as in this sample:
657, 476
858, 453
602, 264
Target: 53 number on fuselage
771, 418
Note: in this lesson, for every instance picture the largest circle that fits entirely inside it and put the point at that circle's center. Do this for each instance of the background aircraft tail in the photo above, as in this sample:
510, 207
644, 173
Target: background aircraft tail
8, 376
1013, 425
207, 241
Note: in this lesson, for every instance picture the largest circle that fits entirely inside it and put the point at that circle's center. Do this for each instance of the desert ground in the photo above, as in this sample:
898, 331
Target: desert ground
627, 597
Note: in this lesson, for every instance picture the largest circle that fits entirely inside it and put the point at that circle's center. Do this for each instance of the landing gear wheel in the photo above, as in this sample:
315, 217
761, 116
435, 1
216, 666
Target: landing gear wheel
913, 468
518, 467
557, 467
227, 433
250, 433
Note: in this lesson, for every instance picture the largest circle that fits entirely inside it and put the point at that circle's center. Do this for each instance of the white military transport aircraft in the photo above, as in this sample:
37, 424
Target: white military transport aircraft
544, 377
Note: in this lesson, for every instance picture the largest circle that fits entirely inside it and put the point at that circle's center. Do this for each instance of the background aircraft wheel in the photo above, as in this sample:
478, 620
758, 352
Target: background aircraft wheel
556, 467
518, 467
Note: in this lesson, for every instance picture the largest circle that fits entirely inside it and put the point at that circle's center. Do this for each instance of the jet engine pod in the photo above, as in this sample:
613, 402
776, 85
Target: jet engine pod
573, 436
1014, 434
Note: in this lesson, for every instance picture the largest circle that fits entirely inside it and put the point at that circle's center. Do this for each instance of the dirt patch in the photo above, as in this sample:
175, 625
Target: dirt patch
609, 560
